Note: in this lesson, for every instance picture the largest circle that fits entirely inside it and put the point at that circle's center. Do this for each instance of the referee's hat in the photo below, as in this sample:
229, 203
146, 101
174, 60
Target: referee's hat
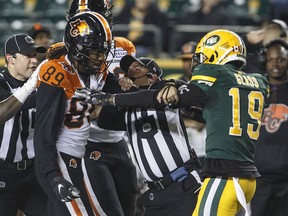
21, 43
149, 63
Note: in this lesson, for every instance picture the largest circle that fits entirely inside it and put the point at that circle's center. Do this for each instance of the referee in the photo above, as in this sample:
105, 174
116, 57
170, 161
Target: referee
19, 189
160, 144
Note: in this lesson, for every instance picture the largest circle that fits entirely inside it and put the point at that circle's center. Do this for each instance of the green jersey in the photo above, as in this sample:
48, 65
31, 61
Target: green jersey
233, 111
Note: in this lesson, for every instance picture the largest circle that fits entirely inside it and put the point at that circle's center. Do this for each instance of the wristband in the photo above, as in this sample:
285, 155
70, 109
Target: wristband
23, 93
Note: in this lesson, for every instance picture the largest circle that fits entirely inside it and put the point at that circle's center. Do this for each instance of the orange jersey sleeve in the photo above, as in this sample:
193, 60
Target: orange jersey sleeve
125, 44
59, 73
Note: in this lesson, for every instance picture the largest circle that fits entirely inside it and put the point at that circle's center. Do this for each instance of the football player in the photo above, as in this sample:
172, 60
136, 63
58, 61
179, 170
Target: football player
108, 164
233, 119
62, 121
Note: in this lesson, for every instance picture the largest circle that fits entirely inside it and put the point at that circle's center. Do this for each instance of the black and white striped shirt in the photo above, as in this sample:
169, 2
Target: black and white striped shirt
158, 137
16, 134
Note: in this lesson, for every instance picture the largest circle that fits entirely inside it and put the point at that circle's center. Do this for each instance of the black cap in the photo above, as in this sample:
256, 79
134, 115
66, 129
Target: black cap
21, 43
37, 28
279, 41
149, 63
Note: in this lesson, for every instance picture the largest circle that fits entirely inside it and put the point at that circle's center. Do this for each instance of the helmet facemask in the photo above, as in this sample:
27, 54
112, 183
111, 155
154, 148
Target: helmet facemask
88, 39
90, 56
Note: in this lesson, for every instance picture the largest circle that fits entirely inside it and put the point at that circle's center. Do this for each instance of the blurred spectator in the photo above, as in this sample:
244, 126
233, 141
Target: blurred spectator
138, 14
187, 51
271, 196
280, 8
211, 12
42, 37
256, 40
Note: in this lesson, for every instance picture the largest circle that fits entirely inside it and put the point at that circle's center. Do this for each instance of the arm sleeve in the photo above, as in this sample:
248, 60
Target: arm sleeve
189, 95
112, 118
50, 110
143, 98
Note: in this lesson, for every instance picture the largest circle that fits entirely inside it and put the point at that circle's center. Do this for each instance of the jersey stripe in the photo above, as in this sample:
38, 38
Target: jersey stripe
205, 78
16, 134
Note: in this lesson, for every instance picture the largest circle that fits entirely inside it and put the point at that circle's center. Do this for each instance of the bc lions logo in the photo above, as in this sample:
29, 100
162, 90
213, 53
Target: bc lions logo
273, 116
79, 27
67, 67
95, 155
73, 163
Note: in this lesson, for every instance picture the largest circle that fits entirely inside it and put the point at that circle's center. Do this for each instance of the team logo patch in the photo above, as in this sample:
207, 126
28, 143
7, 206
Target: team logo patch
73, 163
67, 67
151, 196
79, 27
183, 88
212, 40
2, 184
95, 155
146, 127
28, 39
274, 116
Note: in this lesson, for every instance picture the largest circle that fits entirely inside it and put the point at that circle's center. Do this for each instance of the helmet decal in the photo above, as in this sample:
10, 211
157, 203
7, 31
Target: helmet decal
212, 40
79, 27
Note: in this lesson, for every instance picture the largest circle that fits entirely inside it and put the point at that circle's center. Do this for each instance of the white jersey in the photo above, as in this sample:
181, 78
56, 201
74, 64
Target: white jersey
122, 47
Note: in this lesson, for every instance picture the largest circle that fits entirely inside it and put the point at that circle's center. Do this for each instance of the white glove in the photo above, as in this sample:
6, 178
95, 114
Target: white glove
28, 87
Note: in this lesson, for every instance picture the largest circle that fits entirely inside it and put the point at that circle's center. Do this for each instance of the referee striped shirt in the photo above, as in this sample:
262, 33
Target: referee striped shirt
16, 134
159, 140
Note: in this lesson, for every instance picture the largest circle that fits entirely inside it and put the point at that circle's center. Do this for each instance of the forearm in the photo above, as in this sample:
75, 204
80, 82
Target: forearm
191, 95
8, 108
144, 99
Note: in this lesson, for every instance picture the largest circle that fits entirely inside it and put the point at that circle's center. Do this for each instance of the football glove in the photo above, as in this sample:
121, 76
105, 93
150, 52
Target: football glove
65, 191
93, 96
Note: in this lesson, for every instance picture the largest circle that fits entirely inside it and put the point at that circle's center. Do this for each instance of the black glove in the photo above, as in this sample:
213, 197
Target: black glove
93, 96
64, 190
194, 113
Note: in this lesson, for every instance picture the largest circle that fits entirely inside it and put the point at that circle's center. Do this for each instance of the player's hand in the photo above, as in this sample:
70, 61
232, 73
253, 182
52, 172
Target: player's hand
125, 83
65, 191
94, 97
168, 94
83, 93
